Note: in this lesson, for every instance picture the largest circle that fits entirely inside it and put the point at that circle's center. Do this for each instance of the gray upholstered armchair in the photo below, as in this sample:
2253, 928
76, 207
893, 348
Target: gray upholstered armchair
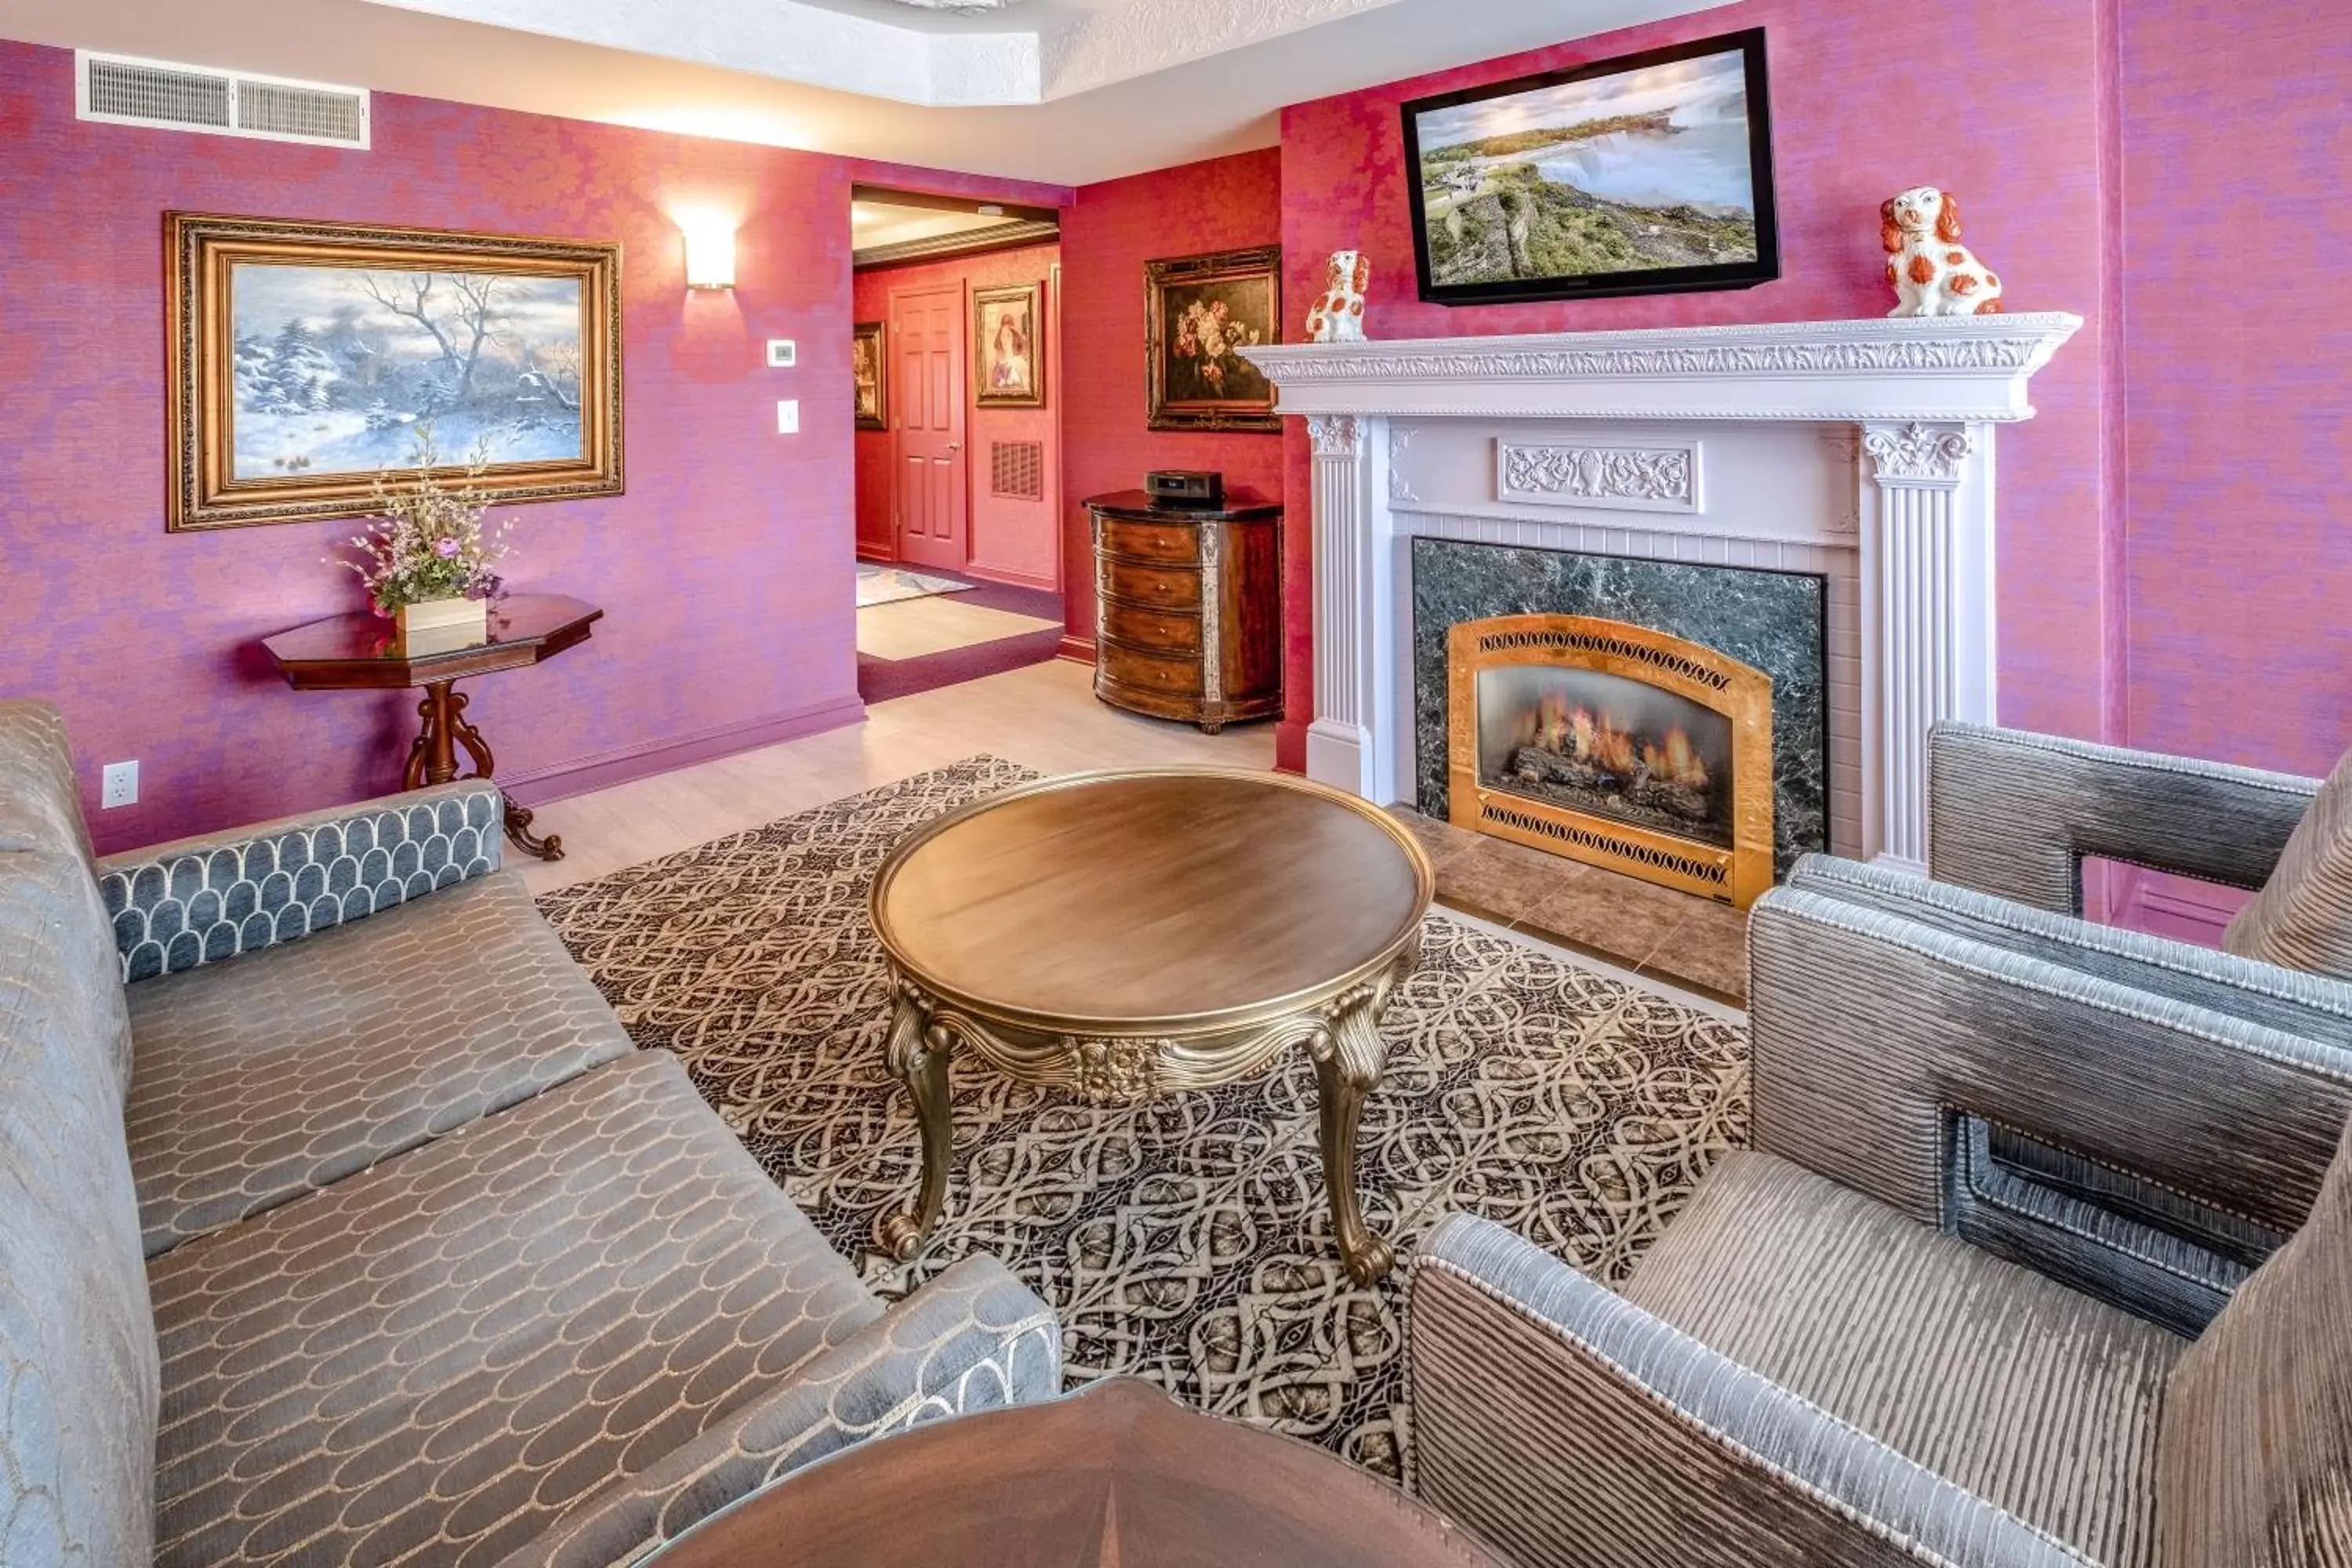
2016, 813
1835, 1354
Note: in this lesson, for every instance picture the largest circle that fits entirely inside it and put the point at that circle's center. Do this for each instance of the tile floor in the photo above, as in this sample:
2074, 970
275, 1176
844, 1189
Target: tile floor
1692, 942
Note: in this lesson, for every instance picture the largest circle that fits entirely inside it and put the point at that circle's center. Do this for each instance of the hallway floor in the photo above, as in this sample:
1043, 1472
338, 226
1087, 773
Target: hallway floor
911, 645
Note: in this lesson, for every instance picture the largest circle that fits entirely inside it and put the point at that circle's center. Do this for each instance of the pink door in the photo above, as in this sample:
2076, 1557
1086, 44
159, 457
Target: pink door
931, 497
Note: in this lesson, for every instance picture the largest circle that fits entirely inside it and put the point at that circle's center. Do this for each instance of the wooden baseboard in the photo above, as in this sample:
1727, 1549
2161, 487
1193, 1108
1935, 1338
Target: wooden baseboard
1077, 649
538, 786
1011, 578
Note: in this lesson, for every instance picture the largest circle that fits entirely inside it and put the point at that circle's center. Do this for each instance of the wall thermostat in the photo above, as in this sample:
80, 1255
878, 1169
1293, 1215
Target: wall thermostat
782, 353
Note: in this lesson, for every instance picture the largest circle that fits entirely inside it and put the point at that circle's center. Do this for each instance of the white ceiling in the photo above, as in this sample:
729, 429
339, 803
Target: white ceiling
874, 223
1068, 91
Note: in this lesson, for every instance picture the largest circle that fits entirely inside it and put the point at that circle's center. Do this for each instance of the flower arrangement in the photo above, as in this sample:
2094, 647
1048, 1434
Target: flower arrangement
434, 540
1207, 333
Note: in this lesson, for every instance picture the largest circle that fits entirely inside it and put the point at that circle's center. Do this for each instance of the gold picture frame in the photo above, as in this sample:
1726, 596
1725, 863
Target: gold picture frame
1197, 311
1008, 347
303, 357
869, 373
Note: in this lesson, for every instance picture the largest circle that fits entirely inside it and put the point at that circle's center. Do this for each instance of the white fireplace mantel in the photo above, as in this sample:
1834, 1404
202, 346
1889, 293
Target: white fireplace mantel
1922, 398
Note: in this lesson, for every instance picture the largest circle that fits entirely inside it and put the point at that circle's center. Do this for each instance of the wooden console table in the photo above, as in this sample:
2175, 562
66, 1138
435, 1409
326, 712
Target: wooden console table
362, 652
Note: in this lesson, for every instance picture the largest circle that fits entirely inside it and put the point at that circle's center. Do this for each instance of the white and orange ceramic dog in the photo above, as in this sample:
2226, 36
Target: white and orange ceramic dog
1337, 314
1932, 272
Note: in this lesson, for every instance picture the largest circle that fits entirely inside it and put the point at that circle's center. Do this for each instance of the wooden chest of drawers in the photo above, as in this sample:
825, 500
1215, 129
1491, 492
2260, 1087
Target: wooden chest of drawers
1188, 609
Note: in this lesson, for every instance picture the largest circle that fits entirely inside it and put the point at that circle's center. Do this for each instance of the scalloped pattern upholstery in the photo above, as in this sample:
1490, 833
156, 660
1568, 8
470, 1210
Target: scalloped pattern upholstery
260, 1082
973, 1338
201, 901
428, 1362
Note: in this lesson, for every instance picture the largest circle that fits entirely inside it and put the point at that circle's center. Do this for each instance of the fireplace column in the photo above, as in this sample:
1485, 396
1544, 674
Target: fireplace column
1928, 614
1337, 751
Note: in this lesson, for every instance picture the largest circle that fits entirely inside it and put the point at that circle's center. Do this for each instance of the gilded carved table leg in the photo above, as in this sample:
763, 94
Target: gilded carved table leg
919, 1051
1350, 1059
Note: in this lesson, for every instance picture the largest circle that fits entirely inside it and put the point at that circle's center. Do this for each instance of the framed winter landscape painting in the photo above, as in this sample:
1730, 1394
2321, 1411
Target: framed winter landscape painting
1647, 173
306, 357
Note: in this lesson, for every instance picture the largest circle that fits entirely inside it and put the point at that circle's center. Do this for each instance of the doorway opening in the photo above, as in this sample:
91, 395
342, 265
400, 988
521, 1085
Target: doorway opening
957, 367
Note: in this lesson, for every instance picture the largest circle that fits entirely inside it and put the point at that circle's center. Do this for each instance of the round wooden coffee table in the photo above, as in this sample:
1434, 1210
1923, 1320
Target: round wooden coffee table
1116, 1473
1123, 935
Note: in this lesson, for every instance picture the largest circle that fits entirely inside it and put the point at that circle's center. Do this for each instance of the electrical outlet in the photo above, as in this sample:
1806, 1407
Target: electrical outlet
788, 416
782, 353
118, 784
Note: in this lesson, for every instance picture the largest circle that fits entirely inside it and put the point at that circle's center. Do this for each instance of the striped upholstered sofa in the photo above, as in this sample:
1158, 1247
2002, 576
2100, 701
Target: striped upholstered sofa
352, 1228
1866, 1342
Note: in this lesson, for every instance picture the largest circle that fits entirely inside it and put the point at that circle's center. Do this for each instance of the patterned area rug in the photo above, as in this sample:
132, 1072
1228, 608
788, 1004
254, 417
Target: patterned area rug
1185, 1241
880, 584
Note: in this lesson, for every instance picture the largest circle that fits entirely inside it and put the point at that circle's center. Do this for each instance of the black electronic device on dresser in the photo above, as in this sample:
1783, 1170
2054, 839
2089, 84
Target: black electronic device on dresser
1185, 487
1188, 607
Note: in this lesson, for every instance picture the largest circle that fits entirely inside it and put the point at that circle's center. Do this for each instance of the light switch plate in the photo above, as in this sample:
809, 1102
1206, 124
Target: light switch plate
118, 784
788, 416
782, 353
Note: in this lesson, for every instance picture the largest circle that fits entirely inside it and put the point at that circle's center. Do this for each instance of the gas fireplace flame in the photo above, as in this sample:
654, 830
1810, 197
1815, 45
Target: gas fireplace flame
1599, 740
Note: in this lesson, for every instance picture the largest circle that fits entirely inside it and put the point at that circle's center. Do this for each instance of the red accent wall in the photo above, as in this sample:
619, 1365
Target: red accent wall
2233, 334
1108, 235
726, 572
1997, 100
2236, 341
1010, 540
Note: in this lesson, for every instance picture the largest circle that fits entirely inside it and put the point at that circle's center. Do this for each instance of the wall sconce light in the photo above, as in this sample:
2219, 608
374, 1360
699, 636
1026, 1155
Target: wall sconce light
709, 249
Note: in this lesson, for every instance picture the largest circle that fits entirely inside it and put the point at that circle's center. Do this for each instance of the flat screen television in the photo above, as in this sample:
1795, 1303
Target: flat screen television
1648, 173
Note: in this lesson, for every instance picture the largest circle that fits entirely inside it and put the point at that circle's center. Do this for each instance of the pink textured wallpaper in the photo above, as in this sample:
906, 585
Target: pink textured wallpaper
2236, 338
1994, 100
1106, 236
1010, 541
725, 571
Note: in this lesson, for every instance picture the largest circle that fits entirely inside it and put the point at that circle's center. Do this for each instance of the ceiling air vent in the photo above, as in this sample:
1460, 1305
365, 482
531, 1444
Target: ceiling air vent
122, 90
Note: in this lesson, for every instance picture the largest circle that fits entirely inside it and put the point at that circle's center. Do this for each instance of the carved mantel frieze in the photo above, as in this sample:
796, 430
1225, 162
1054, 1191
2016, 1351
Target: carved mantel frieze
1968, 369
1611, 477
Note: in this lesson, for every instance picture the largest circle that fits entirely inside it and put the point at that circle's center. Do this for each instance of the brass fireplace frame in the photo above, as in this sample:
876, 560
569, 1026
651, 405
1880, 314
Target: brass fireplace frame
1743, 694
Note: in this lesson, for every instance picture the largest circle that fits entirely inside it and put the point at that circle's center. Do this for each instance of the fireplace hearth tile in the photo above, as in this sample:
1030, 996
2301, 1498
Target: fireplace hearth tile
1675, 937
1708, 950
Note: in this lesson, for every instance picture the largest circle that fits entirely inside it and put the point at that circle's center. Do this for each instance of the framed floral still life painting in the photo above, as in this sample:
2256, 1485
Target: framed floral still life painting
1200, 311
1008, 355
306, 357
869, 372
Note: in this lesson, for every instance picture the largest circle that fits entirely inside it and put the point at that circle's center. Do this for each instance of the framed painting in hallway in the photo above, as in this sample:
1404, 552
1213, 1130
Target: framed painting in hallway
305, 358
1200, 311
869, 374
1008, 347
